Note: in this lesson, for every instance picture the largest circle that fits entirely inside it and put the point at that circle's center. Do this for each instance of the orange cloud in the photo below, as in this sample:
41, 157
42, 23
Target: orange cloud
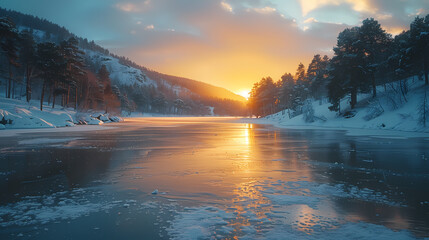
358, 5
226, 6
128, 7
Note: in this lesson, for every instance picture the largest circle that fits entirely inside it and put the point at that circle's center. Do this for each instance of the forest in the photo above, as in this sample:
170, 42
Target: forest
365, 57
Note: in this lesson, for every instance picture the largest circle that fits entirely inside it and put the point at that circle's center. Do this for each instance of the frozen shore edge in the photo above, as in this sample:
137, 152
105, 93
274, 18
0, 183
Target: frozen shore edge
380, 133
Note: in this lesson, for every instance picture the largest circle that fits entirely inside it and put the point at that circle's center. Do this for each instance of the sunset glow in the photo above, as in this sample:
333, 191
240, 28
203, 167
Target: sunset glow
244, 93
230, 44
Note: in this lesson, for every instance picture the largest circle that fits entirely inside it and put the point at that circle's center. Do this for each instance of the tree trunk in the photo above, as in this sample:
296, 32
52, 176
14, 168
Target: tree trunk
426, 69
53, 100
75, 98
13, 90
28, 84
68, 96
10, 81
353, 96
339, 107
374, 87
50, 94
42, 96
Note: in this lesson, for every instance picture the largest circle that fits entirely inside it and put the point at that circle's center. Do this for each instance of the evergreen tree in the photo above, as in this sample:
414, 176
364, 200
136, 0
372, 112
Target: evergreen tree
300, 74
28, 58
287, 93
109, 98
347, 70
50, 63
374, 42
317, 75
419, 45
301, 88
74, 71
9, 39
263, 97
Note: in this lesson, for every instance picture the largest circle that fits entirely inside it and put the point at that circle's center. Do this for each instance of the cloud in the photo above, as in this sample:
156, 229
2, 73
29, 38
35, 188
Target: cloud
137, 6
264, 10
150, 27
360, 5
128, 7
226, 6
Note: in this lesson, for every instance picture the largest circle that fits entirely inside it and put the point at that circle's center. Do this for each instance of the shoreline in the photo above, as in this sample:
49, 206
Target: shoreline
77, 128
355, 132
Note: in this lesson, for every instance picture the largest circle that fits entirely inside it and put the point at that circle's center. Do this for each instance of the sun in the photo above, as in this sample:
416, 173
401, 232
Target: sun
244, 93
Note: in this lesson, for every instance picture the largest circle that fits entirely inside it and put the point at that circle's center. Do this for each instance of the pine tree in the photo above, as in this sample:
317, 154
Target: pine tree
287, 93
374, 42
347, 70
28, 59
263, 97
74, 71
419, 44
301, 88
110, 100
50, 63
317, 75
9, 38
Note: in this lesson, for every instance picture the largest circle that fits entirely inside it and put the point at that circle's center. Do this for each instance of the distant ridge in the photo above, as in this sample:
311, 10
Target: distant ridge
200, 88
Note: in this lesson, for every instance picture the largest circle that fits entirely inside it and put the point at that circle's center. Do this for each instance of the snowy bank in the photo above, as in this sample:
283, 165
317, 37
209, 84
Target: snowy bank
18, 114
386, 112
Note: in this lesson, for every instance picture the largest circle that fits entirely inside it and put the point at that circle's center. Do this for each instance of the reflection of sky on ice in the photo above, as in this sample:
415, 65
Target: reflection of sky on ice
222, 180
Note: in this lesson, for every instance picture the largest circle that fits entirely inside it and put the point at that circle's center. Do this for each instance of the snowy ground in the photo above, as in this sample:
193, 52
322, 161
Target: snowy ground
19, 114
372, 117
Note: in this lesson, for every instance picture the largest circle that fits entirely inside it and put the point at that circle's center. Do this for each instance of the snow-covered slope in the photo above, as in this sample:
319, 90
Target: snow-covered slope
386, 112
120, 74
15, 114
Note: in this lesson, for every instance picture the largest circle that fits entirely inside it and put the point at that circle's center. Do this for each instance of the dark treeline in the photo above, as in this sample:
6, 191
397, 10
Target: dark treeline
51, 31
40, 60
57, 71
364, 57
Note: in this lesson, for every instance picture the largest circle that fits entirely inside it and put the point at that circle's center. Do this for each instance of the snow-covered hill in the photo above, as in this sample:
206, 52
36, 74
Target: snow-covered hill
120, 74
389, 111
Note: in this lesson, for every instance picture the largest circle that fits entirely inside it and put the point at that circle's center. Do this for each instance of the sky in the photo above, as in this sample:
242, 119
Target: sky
227, 43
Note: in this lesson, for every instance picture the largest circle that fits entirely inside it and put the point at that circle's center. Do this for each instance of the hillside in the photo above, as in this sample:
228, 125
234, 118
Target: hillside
200, 88
389, 111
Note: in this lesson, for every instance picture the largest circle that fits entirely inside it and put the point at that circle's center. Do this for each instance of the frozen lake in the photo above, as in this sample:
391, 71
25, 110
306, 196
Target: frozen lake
212, 178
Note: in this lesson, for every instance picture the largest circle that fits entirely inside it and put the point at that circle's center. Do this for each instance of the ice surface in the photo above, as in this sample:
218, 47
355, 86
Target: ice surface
200, 223
65, 205
283, 210
14, 132
36, 141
